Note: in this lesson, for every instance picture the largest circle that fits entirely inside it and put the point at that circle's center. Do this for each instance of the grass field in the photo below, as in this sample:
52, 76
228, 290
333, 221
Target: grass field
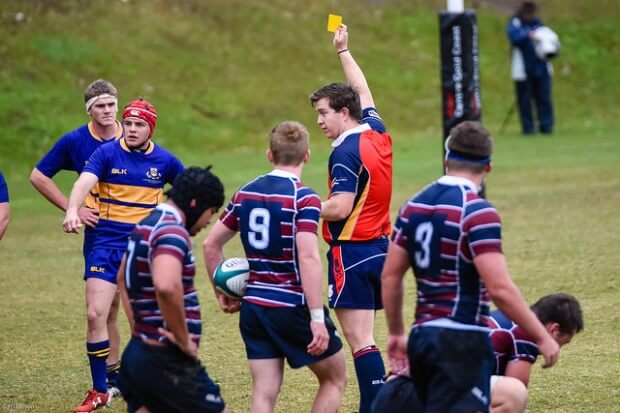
221, 73
558, 197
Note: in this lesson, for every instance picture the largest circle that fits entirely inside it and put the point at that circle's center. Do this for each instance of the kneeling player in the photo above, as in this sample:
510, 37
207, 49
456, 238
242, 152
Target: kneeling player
160, 370
516, 352
282, 312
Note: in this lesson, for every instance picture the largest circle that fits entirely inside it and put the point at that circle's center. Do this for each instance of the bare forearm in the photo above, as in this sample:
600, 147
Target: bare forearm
213, 256
337, 207
170, 304
312, 280
355, 77
392, 296
508, 299
46, 187
80, 189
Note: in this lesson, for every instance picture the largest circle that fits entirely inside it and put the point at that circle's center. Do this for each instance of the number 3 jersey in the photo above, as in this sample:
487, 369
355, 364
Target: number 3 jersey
443, 228
268, 212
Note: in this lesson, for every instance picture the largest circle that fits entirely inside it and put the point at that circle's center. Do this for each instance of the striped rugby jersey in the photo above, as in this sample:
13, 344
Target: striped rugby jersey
510, 342
443, 228
361, 163
161, 232
131, 184
268, 212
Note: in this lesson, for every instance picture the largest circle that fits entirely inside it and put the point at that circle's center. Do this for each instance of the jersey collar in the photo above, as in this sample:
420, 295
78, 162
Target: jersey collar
283, 174
94, 134
169, 208
147, 151
458, 181
358, 129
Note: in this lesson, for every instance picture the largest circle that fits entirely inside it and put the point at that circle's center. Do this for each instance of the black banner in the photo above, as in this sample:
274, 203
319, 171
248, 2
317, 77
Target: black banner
460, 75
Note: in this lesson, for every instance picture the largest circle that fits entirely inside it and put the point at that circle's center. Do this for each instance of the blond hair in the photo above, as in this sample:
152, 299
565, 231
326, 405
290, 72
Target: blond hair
289, 142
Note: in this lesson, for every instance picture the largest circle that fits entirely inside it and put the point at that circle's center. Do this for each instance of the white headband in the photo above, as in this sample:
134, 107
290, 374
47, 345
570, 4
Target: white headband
92, 100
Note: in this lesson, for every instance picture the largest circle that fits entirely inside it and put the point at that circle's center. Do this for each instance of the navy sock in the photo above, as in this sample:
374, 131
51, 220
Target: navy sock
112, 373
370, 370
97, 354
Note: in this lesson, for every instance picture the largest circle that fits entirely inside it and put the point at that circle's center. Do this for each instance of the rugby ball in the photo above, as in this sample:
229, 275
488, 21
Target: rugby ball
231, 277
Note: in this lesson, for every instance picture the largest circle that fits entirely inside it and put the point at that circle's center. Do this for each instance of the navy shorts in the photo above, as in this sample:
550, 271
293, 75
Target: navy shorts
166, 380
103, 263
354, 274
451, 369
283, 332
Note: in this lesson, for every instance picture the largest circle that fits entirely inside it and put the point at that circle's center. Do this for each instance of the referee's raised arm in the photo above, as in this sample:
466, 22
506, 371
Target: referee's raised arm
352, 71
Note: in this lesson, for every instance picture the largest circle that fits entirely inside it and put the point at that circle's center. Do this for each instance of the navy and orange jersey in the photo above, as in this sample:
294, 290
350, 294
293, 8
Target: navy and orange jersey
443, 228
161, 232
131, 184
71, 153
361, 163
510, 342
4, 189
268, 212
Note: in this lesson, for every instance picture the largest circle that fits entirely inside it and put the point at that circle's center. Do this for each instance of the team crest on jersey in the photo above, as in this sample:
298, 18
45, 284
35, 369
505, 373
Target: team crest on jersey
153, 173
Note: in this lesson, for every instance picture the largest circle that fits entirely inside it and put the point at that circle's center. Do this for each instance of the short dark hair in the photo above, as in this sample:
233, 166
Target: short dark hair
99, 87
198, 184
471, 142
560, 308
527, 9
340, 96
288, 142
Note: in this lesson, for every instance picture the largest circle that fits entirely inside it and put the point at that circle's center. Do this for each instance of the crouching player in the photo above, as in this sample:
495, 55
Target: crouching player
452, 239
282, 313
515, 354
516, 351
160, 370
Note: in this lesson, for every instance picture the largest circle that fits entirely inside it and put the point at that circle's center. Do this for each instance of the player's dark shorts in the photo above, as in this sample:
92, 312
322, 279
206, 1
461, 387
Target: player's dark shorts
89, 239
103, 263
166, 380
354, 274
451, 369
397, 395
283, 332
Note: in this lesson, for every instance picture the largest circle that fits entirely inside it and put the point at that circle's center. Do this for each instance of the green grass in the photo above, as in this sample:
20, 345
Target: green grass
221, 73
558, 199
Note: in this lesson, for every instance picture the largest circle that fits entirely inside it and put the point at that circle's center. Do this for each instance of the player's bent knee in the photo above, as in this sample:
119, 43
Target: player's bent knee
509, 396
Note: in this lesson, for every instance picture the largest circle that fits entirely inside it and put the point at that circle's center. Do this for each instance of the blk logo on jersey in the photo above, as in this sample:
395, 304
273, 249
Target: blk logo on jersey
119, 171
153, 174
94, 268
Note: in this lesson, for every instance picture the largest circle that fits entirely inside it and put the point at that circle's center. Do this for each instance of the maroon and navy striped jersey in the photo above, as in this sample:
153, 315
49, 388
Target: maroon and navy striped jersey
268, 212
161, 232
510, 342
443, 228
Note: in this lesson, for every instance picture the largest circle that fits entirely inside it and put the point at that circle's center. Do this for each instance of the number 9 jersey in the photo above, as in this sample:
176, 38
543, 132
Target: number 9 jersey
268, 212
443, 228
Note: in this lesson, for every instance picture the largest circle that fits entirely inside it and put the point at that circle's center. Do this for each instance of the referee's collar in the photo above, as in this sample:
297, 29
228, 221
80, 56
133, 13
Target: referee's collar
283, 174
458, 181
169, 208
358, 129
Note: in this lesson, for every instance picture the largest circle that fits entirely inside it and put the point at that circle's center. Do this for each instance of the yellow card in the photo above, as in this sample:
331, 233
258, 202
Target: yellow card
333, 22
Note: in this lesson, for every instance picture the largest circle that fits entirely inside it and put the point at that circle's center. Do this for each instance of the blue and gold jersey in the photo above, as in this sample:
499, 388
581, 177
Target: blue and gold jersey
4, 189
71, 153
131, 184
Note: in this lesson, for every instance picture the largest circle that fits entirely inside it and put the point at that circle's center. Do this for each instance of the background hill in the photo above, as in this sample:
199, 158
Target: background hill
221, 72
